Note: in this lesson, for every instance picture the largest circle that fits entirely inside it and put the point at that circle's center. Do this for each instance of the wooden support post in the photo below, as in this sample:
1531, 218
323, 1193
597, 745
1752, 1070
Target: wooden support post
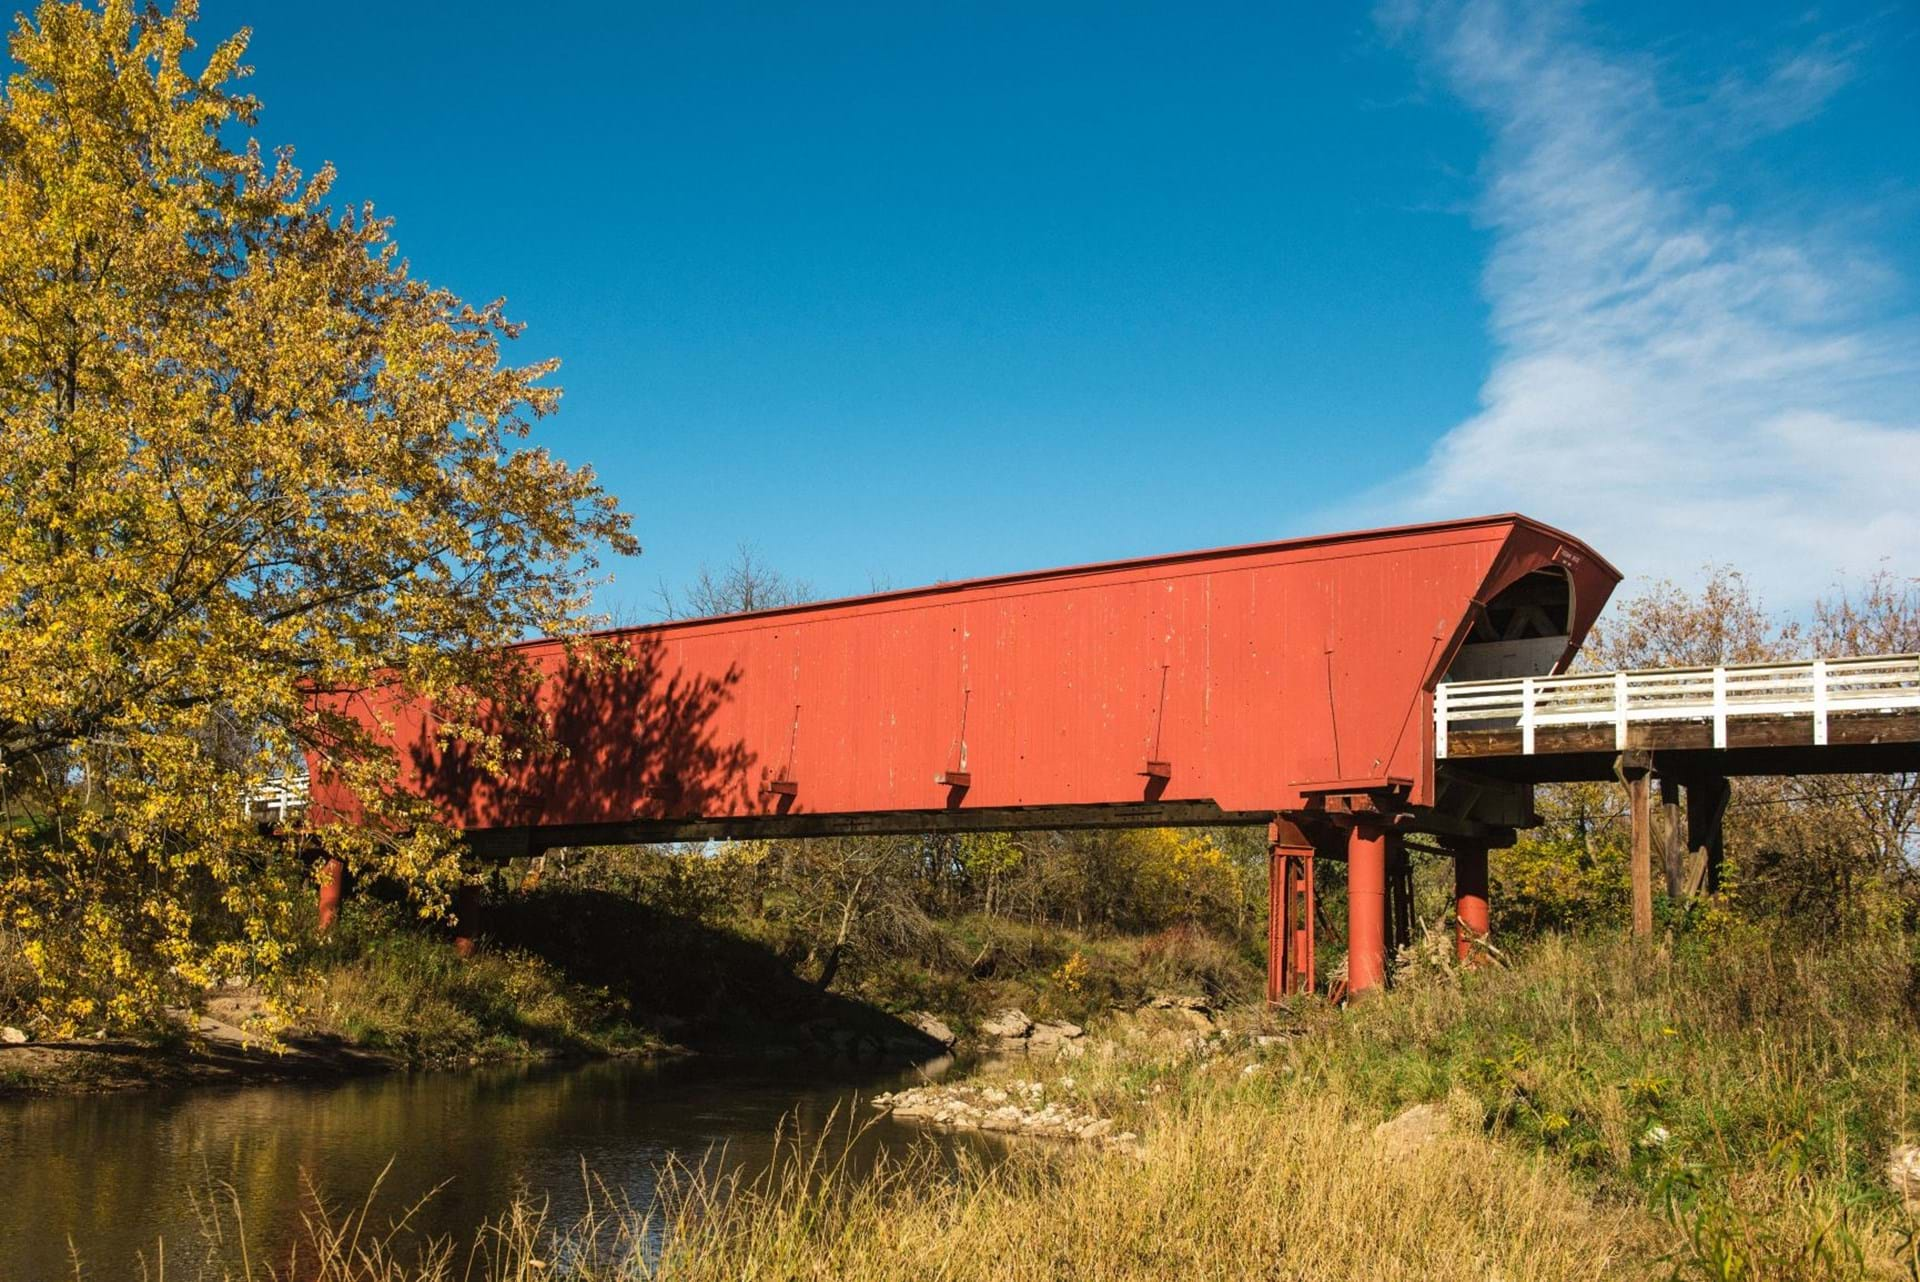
1399, 897
1631, 769
1673, 841
333, 887
1706, 814
1641, 859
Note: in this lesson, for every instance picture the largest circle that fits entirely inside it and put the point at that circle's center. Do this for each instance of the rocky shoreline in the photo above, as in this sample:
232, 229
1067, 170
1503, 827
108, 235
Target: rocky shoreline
1032, 1108
1010, 1031
1019, 1108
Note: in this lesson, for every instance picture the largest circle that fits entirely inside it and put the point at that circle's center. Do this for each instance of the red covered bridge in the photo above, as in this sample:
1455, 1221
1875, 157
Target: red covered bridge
1288, 684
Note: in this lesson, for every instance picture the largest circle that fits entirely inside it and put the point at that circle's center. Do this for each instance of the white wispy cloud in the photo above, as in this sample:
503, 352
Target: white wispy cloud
1793, 89
1676, 380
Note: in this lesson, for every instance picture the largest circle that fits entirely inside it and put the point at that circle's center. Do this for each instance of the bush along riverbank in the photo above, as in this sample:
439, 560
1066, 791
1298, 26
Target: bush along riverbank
566, 971
874, 949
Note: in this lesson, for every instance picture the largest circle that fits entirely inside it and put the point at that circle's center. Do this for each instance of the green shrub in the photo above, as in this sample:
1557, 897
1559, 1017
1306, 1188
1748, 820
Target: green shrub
396, 986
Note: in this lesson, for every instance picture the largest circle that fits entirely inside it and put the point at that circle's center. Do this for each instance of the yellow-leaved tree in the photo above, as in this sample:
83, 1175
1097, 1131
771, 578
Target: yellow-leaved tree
245, 455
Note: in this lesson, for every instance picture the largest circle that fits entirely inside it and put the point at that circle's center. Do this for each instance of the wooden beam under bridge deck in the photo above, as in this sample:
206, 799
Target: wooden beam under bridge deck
1708, 763
507, 843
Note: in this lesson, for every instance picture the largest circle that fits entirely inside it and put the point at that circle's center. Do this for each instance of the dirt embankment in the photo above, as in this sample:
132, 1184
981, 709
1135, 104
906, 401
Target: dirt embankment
221, 1045
211, 1048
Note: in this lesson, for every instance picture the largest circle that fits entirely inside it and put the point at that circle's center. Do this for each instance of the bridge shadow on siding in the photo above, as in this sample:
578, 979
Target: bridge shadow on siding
630, 738
641, 739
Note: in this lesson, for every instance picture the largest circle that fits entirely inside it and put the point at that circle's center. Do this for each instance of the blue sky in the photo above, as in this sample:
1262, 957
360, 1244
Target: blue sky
905, 292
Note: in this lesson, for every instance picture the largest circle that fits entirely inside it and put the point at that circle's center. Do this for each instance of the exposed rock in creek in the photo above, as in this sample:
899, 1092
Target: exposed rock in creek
13, 1036
1020, 1108
1052, 1033
1006, 1024
1008, 1031
933, 1026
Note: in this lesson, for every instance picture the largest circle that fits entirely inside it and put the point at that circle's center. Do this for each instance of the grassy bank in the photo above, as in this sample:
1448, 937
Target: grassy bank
1712, 1108
569, 971
387, 985
1750, 1090
1702, 1111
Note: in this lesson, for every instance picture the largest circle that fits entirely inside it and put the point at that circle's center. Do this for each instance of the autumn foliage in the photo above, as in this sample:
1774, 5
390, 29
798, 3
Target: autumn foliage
245, 454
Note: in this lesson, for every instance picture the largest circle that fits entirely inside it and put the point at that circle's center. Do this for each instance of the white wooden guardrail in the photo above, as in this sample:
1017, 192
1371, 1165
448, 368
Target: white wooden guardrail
1811, 688
279, 797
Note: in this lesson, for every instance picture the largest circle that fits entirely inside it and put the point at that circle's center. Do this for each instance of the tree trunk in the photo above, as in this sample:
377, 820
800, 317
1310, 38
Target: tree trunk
839, 948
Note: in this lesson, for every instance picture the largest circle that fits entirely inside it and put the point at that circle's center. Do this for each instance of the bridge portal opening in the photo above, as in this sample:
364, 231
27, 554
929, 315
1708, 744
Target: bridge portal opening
1522, 632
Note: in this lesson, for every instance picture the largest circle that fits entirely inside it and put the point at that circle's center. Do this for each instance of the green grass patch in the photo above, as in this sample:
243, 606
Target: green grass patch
400, 988
974, 965
1750, 1090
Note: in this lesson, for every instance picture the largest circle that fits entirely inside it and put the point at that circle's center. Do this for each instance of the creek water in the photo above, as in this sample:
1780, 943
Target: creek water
115, 1174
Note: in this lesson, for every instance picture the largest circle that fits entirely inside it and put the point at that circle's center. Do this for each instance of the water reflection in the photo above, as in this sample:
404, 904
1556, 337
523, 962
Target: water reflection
115, 1173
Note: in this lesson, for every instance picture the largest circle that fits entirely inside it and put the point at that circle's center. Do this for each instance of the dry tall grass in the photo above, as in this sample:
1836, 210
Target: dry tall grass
1233, 1183
1240, 1176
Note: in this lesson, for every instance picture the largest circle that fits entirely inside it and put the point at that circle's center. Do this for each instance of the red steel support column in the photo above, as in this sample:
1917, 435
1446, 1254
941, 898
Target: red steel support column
1290, 961
1469, 896
1366, 909
333, 880
466, 919
1300, 911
